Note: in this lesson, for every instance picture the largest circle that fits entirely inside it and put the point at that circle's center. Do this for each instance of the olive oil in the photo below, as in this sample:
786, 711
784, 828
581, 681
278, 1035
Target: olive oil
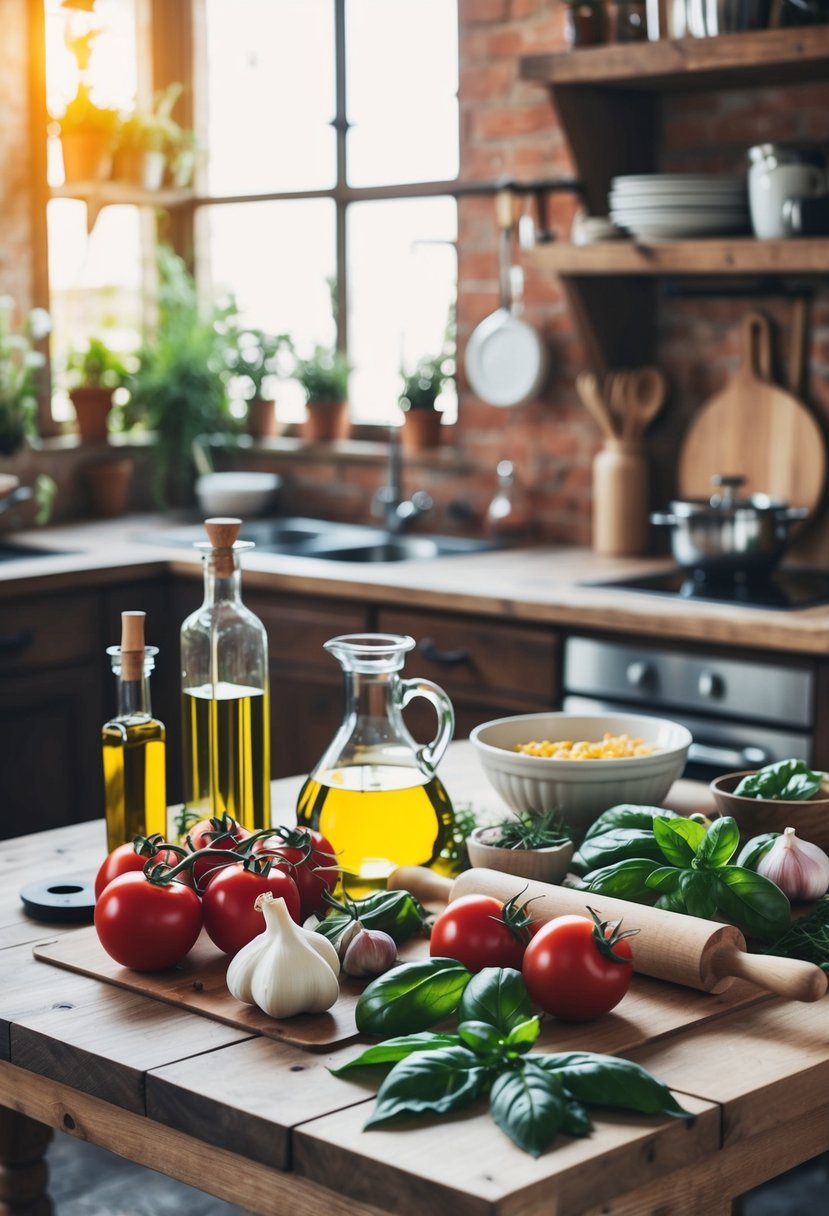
377, 817
227, 752
134, 754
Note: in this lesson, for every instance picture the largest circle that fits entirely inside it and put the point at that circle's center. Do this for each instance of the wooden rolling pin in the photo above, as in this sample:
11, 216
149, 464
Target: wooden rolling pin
669, 946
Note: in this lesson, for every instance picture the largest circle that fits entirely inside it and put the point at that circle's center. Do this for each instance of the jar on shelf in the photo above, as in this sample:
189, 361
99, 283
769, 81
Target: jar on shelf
585, 23
630, 21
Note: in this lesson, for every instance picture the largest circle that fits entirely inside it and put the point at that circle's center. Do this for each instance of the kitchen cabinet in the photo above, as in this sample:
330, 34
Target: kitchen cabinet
608, 100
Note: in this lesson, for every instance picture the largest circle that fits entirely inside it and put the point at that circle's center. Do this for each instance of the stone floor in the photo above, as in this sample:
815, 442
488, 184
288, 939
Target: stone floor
87, 1181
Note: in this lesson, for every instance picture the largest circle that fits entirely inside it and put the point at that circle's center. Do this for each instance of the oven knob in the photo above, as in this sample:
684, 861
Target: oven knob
640, 675
710, 685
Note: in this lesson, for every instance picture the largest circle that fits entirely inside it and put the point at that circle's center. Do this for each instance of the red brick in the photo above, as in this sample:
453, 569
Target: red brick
477, 12
486, 81
507, 122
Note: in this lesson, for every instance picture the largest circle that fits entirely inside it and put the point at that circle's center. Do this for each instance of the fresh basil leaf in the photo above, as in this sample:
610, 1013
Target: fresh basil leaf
397, 1049
698, 890
671, 901
576, 1120
679, 839
800, 786
611, 1081
754, 850
497, 996
625, 879
719, 844
626, 815
528, 1105
613, 846
522, 1037
397, 913
787, 779
411, 997
663, 878
435, 1081
480, 1037
752, 903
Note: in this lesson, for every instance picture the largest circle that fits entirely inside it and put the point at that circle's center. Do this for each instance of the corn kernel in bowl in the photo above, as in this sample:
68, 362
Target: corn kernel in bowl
611, 747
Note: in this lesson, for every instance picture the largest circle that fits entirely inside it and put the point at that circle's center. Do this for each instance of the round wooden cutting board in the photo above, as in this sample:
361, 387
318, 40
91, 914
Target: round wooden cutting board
755, 429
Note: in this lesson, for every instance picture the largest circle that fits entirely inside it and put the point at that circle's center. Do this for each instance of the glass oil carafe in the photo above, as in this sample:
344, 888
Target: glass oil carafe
374, 793
224, 680
133, 743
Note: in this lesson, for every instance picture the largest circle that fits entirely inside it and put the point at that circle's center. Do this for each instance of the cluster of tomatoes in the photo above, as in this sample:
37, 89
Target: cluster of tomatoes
574, 967
152, 898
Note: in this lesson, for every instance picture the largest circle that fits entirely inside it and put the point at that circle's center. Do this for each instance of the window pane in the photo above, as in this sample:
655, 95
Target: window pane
402, 268
402, 85
277, 259
270, 95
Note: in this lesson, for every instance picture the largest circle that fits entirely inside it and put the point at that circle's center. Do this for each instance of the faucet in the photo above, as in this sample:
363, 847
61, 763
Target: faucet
388, 502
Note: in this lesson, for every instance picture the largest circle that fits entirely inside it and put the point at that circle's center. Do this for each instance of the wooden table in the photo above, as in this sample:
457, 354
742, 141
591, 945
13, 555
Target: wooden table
264, 1125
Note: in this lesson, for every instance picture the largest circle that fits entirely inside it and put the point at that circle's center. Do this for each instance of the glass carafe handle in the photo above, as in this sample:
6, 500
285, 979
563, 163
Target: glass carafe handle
429, 754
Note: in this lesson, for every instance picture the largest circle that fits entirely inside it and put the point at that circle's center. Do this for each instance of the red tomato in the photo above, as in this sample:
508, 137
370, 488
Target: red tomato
475, 930
219, 834
314, 869
147, 926
577, 968
230, 917
125, 859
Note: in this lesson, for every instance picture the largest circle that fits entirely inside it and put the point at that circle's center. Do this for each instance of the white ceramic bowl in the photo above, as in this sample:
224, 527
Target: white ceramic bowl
242, 494
580, 790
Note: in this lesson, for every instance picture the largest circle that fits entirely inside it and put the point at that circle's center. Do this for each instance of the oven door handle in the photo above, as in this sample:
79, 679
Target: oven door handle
735, 758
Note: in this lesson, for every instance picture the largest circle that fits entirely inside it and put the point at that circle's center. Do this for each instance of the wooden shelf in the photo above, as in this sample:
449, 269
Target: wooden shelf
721, 256
732, 61
108, 194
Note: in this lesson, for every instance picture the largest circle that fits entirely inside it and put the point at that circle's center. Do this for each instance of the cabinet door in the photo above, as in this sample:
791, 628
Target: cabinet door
488, 668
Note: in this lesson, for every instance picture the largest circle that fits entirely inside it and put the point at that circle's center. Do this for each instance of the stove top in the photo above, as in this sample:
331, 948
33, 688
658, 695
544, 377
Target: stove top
782, 590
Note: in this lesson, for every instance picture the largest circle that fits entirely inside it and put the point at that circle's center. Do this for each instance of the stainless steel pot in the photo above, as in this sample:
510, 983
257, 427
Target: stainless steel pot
726, 535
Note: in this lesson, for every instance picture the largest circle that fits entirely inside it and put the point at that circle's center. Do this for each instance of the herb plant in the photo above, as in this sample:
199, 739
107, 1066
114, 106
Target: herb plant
532, 1096
530, 831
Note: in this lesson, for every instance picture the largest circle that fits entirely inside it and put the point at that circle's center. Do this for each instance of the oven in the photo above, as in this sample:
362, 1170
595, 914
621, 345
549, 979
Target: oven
741, 713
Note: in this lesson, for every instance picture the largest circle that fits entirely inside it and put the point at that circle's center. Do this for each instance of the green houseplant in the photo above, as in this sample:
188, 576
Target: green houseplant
418, 400
94, 373
88, 133
19, 364
179, 389
324, 377
253, 363
150, 141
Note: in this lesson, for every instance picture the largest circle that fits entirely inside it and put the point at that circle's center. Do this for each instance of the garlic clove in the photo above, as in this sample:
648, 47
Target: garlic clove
799, 868
370, 952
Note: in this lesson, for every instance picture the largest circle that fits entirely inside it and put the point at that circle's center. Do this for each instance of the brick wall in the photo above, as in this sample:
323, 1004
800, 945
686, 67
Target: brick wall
15, 196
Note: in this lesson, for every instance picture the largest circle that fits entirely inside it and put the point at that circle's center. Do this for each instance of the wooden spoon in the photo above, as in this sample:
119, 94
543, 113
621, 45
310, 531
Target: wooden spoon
645, 390
588, 389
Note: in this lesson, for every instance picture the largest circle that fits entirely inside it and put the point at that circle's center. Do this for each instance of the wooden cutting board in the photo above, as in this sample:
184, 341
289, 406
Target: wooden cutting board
756, 429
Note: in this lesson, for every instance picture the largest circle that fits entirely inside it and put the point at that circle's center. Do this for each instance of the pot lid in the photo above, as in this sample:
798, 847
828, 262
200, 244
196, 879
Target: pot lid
724, 501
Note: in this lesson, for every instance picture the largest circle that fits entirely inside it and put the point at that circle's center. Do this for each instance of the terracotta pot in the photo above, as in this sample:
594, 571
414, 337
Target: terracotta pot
326, 420
107, 485
139, 167
87, 155
261, 418
421, 430
92, 406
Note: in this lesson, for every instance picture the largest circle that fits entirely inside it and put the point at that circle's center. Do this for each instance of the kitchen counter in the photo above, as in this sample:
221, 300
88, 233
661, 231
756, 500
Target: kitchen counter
542, 584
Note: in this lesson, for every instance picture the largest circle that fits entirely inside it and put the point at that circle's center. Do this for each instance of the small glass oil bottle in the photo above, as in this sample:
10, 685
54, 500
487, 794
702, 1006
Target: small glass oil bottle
134, 743
224, 682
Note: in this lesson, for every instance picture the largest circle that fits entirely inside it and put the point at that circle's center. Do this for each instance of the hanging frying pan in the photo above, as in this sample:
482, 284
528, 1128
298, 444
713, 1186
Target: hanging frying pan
506, 358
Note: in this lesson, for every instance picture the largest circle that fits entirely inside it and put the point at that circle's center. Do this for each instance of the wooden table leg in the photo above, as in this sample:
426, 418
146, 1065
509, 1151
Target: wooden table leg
23, 1170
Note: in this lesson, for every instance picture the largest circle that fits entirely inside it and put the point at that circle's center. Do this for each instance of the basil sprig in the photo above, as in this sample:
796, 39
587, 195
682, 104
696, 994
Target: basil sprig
694, 875
397, 913
411, 997
623, 832
532, 1097
791, 780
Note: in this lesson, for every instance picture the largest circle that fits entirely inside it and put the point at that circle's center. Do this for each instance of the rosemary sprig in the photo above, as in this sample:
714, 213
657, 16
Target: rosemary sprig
807, 938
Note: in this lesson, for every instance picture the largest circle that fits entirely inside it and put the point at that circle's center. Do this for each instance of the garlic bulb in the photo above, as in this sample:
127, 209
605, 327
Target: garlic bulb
369, 952
287, 969
799, 869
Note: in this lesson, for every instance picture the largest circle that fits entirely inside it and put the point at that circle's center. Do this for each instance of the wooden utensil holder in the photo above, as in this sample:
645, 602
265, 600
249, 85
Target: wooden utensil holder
621, 499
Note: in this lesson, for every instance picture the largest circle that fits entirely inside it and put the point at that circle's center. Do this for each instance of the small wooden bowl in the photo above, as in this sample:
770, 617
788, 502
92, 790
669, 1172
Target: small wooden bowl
754, 816
542, 865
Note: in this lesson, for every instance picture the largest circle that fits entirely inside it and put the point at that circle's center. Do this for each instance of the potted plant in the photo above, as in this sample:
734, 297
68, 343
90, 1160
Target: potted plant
19, 363
421, 390
179, 389
95, 373
252, 361
324, 377
148, 141
537, 846
87, 134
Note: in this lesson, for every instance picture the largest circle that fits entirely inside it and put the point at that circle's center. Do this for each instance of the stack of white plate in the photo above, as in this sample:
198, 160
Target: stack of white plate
672, 206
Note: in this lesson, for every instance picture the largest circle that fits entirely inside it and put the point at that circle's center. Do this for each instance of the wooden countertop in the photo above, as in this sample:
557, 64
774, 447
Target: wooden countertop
543, 585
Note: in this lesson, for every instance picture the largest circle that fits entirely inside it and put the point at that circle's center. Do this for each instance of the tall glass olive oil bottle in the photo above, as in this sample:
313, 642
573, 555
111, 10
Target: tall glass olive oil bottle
224, 681
134, 743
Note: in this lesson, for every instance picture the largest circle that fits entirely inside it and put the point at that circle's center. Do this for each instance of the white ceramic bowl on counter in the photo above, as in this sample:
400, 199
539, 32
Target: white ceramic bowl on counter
580, 790
242, 494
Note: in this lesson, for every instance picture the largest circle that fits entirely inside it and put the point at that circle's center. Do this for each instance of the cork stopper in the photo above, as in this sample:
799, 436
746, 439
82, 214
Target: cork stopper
132, 645
223, 532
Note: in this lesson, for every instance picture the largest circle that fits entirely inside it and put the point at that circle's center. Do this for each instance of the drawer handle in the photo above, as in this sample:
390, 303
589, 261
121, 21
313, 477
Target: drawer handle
446, 658
13, 643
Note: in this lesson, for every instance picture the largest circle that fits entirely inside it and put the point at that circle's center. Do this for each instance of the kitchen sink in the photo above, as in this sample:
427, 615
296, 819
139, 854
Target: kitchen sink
297, 536
14, 553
